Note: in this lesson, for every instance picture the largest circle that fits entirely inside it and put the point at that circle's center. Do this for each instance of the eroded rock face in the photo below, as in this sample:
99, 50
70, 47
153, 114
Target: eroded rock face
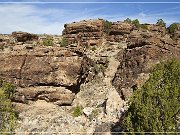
136, 64
153, 35
38, 69
41, 66
145, 48
156, 28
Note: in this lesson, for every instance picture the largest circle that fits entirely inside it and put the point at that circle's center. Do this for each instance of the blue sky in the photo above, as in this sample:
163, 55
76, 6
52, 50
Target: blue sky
51, 17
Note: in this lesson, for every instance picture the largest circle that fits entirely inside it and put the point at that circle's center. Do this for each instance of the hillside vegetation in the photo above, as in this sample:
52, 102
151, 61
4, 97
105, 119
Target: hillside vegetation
155, 106
7, 114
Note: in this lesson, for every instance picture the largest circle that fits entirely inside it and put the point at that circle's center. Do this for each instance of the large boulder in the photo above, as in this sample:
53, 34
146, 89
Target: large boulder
57, 95
24, 36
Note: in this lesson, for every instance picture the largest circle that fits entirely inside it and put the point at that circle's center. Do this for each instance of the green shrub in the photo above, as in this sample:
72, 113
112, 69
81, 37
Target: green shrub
77, 111
93, 48
144, 26
8, 89
1, 47
161, 22
107, 26
128, 20
99, 68
7, 114
64, 42
136, 23
172, 27
48, 42
94, 114
154, 107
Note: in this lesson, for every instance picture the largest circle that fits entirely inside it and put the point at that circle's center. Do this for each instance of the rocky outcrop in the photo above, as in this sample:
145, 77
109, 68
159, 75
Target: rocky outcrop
36, 70
145, 48
84, 33
94, 74
119, 31
92, 32
136, 64
24, 36
42, 66
156, 28
153, 35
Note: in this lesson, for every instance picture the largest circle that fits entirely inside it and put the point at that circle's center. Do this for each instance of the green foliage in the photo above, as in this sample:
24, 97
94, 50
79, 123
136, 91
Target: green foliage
94, 114
99, 68
107, 26
48, 42
153, 107
172, 27
8, 89
64, 42
7, 114
128, 20
136, 23
144, 26
161, 22
77, 111
1, 47
93, 48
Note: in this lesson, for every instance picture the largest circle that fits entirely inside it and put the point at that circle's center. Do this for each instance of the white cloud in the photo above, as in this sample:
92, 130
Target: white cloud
35, 19
20, 17
142, 14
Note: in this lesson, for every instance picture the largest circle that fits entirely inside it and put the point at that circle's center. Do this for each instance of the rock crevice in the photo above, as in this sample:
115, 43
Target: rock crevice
21, 68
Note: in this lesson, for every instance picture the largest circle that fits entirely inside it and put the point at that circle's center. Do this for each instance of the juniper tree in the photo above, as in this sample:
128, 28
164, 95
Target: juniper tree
155, 106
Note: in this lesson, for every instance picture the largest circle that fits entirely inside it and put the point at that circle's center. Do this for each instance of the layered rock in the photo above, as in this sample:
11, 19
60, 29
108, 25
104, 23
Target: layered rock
91, 32
84, 33
119, 31
38, 68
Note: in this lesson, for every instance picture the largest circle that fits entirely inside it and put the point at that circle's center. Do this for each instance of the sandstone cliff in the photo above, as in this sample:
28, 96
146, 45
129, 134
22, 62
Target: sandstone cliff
97, 71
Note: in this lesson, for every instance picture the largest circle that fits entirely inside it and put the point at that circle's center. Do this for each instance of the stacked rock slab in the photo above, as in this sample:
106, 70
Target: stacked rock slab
41, 68
119, 31
91, 32
84, 33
